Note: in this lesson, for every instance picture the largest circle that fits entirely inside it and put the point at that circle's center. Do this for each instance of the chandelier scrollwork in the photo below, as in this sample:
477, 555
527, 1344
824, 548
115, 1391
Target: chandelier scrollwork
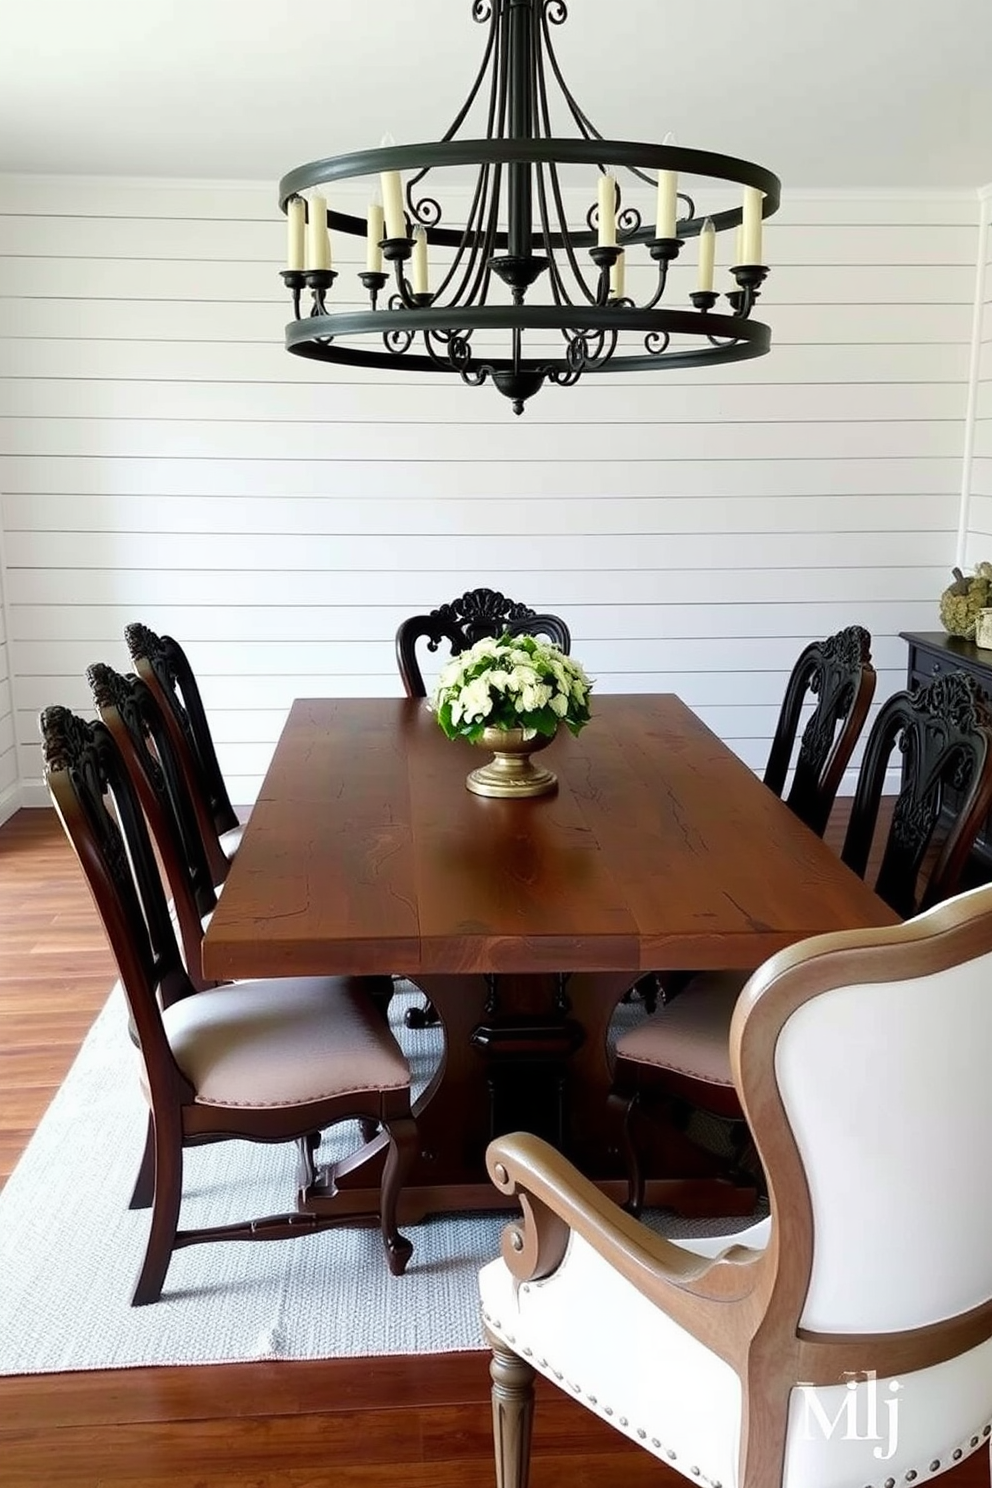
516, 236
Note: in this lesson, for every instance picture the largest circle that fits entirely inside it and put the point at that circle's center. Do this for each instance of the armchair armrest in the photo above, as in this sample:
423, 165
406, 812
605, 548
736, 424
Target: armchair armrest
556, 1200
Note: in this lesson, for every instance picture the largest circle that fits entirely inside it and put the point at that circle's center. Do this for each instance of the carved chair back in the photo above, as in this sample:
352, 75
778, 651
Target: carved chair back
941, 735
162, 663
99, 808
474, 616
132, 714
838, 673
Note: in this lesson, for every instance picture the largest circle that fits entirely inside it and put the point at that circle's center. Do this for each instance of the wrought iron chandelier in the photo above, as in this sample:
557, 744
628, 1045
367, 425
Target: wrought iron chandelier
481, 321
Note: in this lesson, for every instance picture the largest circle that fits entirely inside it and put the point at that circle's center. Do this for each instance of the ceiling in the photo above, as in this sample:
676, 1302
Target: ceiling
827, 93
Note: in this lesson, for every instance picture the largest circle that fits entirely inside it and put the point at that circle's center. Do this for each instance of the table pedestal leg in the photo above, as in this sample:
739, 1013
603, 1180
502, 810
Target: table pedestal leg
521, 1053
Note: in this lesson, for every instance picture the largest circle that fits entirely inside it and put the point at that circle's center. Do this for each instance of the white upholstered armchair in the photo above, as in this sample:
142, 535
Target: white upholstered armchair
847, 1340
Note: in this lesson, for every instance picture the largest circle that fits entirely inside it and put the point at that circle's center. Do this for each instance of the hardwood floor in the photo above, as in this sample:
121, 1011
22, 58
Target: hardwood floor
422, 1421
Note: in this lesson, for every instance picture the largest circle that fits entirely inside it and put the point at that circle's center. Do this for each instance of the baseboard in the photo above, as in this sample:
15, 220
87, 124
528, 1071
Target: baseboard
28, 793
11, 801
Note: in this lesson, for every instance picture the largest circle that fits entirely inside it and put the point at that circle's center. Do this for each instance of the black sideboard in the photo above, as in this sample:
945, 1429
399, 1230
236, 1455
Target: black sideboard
934, 653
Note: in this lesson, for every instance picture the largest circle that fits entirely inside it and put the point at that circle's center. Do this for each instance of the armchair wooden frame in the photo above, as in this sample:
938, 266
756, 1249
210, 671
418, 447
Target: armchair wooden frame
746, 1305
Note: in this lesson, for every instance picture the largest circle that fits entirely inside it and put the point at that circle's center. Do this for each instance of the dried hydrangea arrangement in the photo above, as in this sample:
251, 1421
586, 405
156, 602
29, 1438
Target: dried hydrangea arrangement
510, 683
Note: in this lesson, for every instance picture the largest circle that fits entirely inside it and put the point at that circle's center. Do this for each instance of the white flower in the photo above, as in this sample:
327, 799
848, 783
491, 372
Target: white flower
559, 704
476, 700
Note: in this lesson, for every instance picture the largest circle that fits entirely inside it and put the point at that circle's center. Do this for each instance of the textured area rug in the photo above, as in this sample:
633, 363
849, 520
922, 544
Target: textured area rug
70, 1249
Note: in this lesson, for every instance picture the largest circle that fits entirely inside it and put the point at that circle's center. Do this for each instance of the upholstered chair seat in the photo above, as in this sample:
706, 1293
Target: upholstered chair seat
689, 1036
283, 1042
231, 841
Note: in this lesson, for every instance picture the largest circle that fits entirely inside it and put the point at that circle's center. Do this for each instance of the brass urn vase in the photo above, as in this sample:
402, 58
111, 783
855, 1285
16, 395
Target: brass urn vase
512, 773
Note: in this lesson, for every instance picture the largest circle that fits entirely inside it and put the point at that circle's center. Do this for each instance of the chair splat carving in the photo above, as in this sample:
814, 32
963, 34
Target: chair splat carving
476, 615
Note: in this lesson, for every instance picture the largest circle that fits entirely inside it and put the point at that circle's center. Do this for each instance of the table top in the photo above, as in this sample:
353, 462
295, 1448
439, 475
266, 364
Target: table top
661, 850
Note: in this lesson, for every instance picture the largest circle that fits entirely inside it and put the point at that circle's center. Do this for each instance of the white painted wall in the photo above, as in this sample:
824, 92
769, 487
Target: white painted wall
9, 794
979, 541
164, 459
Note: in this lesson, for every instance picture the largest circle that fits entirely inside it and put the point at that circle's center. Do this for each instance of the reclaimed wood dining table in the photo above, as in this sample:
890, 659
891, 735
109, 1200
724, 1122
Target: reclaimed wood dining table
524, 922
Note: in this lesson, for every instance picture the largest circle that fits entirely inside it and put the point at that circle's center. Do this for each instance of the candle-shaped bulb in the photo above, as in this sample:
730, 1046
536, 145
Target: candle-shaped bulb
318, 241
751, 225
707, 256
739, 244
296, 218
420, 277
618, 276
391, 183
667, 209
373, 237
607, 199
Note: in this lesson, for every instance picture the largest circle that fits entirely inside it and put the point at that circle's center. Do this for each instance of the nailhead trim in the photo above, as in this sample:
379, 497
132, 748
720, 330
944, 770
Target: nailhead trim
911, 1475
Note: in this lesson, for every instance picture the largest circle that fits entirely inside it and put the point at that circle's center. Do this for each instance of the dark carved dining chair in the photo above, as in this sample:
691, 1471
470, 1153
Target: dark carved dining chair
844, 1341
837, 676
133, 715
266, 1061
942, 736
162, 663
477, 615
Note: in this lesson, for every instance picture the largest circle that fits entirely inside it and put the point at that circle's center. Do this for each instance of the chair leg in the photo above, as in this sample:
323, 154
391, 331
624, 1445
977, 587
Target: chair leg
380, 989
623, 1107
403, 1141
425, 1017
144, 1185
306, 1167
165, 1215
513, 1415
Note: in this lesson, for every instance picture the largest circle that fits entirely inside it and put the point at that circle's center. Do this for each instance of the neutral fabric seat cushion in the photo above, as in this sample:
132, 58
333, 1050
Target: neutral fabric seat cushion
230, 841
691, 1034
283, 1042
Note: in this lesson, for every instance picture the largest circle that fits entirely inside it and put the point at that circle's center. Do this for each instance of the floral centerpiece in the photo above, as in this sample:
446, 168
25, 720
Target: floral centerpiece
510, 695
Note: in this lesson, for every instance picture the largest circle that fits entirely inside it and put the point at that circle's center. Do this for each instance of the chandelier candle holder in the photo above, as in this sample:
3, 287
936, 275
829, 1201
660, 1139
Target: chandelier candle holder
516, 236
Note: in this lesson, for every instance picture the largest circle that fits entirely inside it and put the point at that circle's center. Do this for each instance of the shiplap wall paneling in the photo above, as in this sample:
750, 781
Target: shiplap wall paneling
8, 751
979, 546
164, 459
